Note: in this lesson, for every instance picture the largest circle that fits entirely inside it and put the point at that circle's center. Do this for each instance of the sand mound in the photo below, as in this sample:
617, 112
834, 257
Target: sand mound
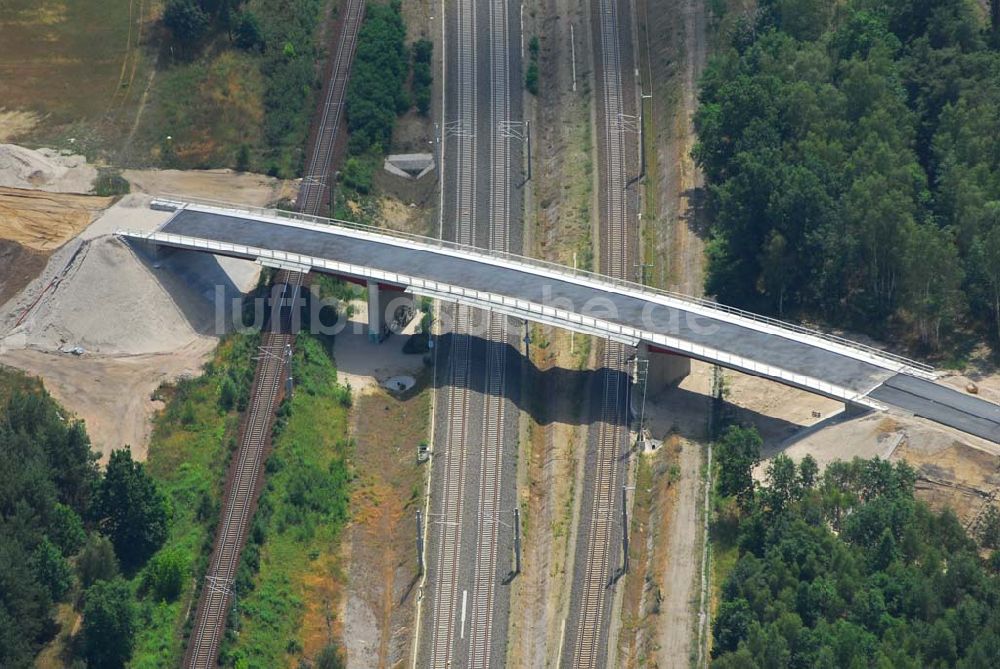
45, 169
110, 303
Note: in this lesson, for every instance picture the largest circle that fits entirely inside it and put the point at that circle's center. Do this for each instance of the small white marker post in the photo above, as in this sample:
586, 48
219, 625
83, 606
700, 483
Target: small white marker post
572, 50
465, 597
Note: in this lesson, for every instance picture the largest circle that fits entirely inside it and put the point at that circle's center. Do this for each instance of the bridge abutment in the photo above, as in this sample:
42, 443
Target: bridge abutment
665, 369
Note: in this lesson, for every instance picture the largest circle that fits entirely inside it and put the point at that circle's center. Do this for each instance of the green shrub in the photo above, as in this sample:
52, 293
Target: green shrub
227, 393
110, 183
187, 22
97, 561
51, 569
375, 93
109, 624
248, 34
166, 572
358, 173
531, 79
422, 76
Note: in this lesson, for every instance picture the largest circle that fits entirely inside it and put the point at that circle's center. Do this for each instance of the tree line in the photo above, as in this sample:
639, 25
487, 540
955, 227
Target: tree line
845, 568
378, 93
68, 533
852, 166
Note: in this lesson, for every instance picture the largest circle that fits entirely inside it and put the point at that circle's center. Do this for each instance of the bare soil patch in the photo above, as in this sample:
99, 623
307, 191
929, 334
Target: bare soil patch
139, 322
222, 185
45, 221
111, 303
45, 169
112, 395
379, 606
952, 472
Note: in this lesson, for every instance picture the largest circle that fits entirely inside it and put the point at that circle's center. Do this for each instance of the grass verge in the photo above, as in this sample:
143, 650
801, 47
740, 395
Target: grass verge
289, 563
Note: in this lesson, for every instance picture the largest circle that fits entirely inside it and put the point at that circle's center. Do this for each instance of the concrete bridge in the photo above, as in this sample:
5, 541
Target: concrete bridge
673, 328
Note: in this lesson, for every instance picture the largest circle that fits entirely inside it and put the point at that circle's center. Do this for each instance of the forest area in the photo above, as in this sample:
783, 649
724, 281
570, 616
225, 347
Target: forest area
846, 569
74, 535
853, 170
102, 569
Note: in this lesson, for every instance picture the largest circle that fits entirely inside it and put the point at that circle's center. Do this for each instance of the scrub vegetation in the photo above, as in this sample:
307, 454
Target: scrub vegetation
297, 526
239, 84
124, 551
115, 547
376, 95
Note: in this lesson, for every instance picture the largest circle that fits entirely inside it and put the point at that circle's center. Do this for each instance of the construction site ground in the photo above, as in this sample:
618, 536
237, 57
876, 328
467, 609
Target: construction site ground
379, 548
101, 323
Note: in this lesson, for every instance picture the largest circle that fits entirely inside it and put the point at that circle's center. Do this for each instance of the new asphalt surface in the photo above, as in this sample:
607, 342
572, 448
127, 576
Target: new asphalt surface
924, 398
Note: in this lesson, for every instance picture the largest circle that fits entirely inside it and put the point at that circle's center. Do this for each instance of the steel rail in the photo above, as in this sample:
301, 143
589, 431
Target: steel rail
237, 510
494, 406
314, 184
588, 650
210, 621
452, 503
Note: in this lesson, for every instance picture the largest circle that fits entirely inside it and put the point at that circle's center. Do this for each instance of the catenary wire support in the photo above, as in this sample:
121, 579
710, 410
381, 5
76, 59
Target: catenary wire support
519, 130
627, 123
311, 180
457, 129
624, 529
220, 585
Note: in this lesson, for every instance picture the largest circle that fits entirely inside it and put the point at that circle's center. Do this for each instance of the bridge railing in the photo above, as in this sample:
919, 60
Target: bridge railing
518, 308
905, 364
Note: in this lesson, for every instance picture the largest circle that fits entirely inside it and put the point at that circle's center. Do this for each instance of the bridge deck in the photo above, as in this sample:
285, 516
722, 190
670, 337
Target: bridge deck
791, 358
791, 355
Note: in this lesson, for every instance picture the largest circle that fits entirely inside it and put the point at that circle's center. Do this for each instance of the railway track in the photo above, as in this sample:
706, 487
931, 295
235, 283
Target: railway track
451, 503
494, 419
598, 569
476, 392
315, 185
246, 476
241, 497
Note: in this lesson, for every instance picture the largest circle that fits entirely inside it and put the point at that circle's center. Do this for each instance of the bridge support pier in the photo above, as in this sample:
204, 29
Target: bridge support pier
376, 325
389, 310
665, 369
